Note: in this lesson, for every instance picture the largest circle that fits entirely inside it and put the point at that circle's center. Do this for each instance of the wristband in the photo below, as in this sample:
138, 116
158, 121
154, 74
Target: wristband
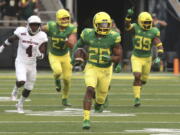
160, 50
128, 19
7, 42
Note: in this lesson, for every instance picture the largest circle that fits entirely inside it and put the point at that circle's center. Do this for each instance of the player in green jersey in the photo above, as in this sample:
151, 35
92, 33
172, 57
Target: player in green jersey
103, 48
63, 36
144, 37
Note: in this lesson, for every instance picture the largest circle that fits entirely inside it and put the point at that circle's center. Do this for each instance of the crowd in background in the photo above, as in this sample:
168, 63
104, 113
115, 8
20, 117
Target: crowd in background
13, 10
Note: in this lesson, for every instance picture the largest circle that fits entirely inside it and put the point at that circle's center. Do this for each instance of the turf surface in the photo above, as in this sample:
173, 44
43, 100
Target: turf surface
159, 113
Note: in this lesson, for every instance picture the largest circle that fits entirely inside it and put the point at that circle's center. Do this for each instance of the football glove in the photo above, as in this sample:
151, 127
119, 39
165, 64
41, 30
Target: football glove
130, 13
156, 60
106, 58
118, 68
1, 48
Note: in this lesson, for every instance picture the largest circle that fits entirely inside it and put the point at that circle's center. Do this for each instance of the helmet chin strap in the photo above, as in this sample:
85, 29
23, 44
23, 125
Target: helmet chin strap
30, 30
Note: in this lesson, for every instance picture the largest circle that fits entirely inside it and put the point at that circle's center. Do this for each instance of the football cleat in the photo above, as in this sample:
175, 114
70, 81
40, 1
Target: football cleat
19, 108
86, 124
137, 102
98, 108
58, 89
58, 85
65, 102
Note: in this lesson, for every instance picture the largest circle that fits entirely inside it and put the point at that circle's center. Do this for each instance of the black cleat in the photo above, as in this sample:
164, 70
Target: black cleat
58, 89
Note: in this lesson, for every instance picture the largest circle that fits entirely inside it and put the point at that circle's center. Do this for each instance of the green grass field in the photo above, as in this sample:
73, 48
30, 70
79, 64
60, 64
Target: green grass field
44, 114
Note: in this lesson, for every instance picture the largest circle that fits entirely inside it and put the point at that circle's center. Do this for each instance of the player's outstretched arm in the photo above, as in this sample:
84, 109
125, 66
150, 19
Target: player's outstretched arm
117, 54
160, 50
118, 65
128, 19
8, 42
71, 40
41, 50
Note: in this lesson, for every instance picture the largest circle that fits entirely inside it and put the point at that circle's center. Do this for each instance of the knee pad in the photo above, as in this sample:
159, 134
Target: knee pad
20, 83
26, 93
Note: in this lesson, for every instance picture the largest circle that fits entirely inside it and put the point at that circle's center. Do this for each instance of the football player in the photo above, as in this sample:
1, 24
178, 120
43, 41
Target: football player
103, 49
144, 37
32, 44
63, 36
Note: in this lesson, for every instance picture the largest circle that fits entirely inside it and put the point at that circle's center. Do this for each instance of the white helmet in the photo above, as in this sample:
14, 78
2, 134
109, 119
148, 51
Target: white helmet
33, 20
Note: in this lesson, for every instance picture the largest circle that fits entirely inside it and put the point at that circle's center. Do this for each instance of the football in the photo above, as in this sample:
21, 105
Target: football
80, 55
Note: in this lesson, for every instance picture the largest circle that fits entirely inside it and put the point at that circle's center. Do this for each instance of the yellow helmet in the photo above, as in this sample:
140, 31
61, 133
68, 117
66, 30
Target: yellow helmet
63, 17
145, 20
102, 23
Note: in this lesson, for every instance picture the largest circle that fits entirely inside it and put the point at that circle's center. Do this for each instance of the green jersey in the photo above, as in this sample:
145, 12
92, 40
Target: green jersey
58, 37
143, 40
97, 47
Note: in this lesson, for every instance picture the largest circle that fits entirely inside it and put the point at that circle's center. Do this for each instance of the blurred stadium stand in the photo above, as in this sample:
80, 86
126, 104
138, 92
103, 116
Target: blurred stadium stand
83, 13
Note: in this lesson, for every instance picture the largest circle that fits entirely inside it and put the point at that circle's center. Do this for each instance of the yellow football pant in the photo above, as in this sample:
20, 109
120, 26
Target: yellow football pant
98, 78
62, 68
143, 66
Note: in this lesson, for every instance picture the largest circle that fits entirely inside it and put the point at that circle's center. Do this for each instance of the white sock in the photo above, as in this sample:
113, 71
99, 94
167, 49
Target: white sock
21, 100
15, 90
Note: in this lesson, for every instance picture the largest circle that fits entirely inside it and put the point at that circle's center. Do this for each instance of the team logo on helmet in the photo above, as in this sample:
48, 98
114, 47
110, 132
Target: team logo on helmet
102, 23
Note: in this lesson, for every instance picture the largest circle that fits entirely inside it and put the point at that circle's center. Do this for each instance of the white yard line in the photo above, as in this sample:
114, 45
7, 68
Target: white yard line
83, 132
40, 105
105, 122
